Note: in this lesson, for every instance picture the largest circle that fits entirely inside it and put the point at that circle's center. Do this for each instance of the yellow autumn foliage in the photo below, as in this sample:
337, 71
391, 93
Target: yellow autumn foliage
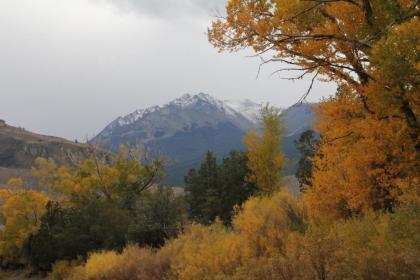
369, 156
258, 236
272, 238
133, 263
219, 253
265, 158
20, 214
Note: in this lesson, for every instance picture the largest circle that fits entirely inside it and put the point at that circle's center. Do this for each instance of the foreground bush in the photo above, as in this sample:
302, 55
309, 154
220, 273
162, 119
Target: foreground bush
133, 263
272, 238
67, 270
250, 250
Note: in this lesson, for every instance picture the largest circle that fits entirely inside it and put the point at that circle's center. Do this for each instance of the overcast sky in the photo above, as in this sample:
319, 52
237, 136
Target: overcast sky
69, 67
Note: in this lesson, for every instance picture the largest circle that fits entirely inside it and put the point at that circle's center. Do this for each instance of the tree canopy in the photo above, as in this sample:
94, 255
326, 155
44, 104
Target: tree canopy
369, 156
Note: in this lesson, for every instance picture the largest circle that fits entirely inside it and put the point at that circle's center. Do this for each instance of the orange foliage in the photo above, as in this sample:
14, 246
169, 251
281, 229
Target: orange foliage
370, 153
362, 162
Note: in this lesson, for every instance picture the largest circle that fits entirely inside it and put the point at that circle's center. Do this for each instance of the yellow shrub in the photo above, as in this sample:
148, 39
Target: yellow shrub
77, 273
100, 264
15, 182
65, 270
133, 263
265, 222
205, 252
251, 250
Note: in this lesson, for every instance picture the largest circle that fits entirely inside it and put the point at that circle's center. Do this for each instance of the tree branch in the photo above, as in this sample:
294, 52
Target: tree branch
303, 98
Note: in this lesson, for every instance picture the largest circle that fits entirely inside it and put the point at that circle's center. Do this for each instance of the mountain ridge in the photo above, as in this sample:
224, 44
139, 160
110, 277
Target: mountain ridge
181, 103
184, 129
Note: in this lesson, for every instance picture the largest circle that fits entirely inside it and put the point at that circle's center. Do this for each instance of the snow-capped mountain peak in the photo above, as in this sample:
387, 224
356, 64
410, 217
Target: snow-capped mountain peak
249, 109
191, 100
133, 117
246, 108
188, 100
185, 128
201, 108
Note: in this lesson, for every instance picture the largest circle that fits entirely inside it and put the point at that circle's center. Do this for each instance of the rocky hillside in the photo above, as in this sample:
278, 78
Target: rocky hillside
19, 149
183, 130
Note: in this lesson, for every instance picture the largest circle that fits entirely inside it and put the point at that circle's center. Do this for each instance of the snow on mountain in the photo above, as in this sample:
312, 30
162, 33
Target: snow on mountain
246, 108
183, 130
200, 110
135, 116
249, 109
234, 109
191, 100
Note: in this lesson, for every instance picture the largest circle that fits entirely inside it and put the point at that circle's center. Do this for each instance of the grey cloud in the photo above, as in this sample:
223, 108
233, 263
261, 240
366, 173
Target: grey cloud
168, 8
69, 67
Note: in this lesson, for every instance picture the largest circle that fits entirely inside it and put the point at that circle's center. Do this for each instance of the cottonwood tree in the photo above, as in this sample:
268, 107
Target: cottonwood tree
369, 48
265, 158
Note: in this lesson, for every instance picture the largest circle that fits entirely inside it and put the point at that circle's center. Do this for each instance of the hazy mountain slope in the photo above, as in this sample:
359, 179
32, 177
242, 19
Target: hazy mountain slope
296, 120
183, 130
186, 149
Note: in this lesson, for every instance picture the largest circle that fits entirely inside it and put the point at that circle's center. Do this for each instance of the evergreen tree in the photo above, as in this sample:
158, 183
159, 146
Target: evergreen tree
69, 233
235, 188
159, 216
215, 189
203, 191
307, 146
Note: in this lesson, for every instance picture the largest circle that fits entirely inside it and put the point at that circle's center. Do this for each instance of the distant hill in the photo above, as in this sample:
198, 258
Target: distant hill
19, 149
183, 130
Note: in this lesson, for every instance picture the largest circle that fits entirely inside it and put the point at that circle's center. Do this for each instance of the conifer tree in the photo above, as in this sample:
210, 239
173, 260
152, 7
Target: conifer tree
215, 189
307, 146
203, 190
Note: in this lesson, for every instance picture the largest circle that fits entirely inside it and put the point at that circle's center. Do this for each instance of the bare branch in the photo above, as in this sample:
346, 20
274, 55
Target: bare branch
338, 138
303, 98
